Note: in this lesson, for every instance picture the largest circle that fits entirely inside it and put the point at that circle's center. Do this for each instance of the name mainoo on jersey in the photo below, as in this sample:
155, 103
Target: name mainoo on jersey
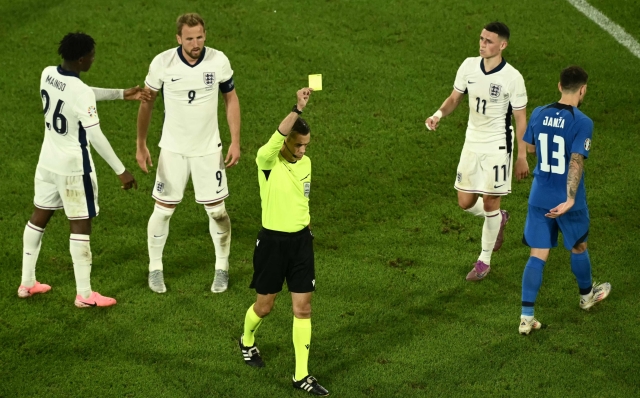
56, 83
557, 122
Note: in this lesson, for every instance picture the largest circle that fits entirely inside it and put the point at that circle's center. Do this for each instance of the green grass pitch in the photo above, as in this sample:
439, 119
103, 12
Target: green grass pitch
393, 315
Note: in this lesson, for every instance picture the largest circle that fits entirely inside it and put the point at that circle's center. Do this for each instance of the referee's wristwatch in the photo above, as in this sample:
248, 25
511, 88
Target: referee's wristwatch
296, 110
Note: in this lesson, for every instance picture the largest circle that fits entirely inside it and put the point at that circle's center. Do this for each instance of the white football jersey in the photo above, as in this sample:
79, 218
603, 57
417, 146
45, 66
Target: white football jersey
492, 98
69, 109
190, 95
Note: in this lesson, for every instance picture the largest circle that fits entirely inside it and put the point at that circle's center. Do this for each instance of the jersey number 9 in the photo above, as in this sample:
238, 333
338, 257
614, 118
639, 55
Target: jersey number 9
192, 95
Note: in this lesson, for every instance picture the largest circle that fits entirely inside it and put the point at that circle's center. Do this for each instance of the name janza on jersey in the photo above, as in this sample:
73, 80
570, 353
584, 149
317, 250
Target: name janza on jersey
55, 83
557, 122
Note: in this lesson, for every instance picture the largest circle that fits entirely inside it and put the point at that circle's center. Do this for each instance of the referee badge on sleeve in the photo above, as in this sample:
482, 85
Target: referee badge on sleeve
587, 144
307, 189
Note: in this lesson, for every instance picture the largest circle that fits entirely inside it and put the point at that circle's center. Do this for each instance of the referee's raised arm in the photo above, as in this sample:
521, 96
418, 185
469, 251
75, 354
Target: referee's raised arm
268, 153
287, 124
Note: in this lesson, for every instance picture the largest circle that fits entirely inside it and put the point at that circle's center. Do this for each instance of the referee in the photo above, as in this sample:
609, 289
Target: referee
284, 249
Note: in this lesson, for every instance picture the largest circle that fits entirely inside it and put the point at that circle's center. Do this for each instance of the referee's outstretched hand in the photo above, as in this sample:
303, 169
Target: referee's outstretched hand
303, 97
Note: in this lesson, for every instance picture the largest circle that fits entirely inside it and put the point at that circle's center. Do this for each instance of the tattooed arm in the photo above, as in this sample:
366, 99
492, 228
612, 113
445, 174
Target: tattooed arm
576, 166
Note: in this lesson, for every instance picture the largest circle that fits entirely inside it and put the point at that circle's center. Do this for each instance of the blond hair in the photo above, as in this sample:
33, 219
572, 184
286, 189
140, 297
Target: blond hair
190, 19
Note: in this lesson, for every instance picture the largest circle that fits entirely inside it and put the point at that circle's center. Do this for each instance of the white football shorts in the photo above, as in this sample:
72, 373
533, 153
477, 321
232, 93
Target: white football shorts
484, 173
77, 195
207, 173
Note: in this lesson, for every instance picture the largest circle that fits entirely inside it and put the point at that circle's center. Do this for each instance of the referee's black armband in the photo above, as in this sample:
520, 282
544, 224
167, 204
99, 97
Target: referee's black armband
228, 86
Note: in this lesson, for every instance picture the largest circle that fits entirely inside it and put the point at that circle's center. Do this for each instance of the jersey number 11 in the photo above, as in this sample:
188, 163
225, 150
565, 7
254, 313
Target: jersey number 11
484, 105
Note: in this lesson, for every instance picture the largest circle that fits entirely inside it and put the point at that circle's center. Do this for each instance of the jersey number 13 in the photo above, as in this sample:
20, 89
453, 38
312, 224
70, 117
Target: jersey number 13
543, 140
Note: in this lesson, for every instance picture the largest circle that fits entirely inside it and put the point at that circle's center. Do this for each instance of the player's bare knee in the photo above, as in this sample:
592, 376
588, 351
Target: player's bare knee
40, 218
82, 227
262, 309
302, 314
491, 203
217, 212
466, 203
467, 200
302, 311
579, 248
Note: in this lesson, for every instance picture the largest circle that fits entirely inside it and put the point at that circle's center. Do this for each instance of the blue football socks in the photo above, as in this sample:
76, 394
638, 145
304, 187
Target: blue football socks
531, 282
581, 268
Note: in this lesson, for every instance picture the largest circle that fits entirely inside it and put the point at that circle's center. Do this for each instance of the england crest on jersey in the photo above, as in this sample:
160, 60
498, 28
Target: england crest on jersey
209, 78
494, 90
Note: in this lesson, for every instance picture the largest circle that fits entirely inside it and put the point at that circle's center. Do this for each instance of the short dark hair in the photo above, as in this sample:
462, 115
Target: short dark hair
498, 28
75, 46
190, 19
572, 78
301, 127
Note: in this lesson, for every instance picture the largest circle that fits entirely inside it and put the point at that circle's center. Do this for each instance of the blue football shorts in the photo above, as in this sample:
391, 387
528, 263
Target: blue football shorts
541, 232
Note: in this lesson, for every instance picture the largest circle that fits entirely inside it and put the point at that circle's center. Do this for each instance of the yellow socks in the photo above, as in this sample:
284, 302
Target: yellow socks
301, 343
301, 339
251, 324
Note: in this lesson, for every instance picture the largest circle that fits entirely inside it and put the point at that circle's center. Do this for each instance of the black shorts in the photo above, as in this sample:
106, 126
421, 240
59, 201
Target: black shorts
282, 255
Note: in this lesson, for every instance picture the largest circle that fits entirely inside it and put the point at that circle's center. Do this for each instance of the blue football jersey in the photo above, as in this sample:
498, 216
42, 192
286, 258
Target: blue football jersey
557, 131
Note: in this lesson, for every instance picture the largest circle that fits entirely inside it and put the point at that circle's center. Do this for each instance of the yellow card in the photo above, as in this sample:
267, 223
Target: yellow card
315, 82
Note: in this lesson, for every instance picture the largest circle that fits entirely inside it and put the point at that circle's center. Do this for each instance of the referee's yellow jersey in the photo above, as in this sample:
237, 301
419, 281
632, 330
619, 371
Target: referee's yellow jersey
284, 188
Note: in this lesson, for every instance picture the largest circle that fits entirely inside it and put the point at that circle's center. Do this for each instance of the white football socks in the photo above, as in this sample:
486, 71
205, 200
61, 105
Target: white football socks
220, 230
31, 242
490, 230
477, 209
80, 249
157, 233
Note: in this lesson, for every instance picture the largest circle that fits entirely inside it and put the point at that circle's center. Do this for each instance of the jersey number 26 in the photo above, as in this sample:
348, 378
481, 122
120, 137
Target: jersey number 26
58, 121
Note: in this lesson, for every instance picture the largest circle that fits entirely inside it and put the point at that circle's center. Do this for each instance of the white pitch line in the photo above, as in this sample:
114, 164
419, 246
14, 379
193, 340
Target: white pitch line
608, 25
